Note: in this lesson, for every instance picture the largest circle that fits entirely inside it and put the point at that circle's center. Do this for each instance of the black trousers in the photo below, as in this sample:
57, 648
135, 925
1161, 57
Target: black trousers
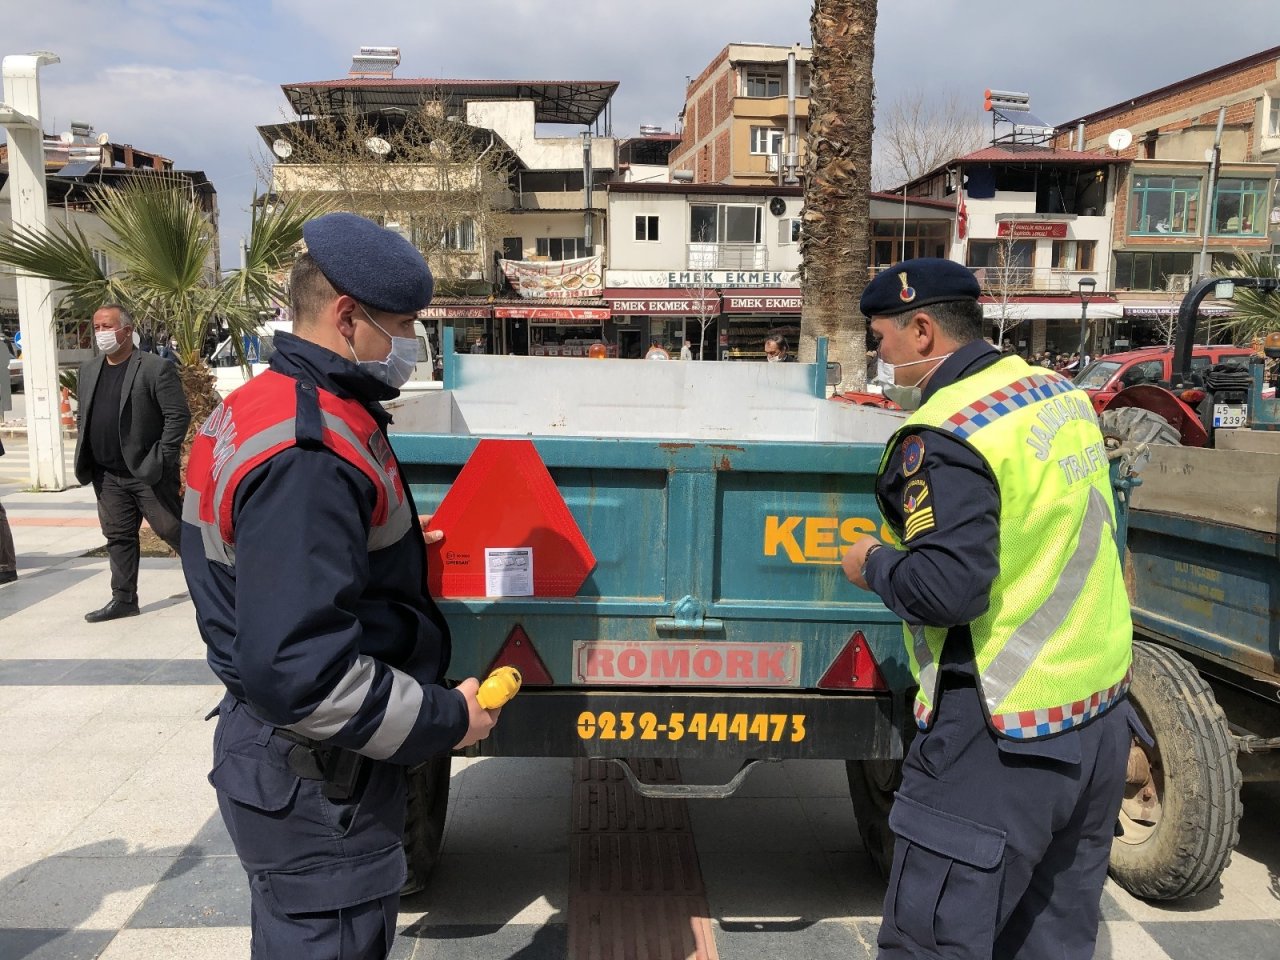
123, 501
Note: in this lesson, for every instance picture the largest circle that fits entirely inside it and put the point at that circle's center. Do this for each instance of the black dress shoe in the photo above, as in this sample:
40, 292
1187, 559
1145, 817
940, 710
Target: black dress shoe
8, 576
112, 611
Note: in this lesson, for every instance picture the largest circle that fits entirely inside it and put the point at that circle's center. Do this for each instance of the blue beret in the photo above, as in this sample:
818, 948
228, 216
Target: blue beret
915, 283
369, 263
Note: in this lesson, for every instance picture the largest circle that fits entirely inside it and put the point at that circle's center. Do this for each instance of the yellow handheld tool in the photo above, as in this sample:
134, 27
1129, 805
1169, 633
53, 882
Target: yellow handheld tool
499, 687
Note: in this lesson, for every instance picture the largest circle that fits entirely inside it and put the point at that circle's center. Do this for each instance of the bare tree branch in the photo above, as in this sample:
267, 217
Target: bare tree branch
919, 131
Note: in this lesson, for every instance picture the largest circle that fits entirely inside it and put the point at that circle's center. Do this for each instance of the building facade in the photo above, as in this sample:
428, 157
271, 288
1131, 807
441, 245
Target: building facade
746, 117
1168, 228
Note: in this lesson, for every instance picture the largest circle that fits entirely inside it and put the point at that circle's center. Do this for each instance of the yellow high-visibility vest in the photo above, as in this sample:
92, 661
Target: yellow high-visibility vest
1053, 648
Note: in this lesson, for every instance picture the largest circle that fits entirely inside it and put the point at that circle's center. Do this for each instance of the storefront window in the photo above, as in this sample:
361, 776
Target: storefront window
1238, 208
1164, 205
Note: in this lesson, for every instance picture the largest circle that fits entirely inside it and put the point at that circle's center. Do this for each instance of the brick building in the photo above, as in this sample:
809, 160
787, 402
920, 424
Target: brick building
1163, 214
736, 113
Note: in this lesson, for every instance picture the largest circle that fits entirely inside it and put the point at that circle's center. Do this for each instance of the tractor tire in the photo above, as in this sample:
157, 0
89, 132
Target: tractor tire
428, 804
1136, 425
872, 784
1179, 821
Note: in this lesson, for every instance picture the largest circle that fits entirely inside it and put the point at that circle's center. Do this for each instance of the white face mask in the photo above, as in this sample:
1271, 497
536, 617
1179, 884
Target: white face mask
911, 396
107, 341
399, 364
775, 358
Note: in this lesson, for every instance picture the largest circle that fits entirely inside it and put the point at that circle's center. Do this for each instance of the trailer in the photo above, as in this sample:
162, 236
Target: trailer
717, 500
1202, 563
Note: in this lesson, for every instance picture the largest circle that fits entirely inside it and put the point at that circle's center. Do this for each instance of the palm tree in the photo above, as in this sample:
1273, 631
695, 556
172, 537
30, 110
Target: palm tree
834, 243
161, 244
1254, 313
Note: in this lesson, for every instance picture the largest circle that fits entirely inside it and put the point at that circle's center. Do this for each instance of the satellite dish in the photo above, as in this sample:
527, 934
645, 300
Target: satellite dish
282, 148
1119, 139
378, 145
104, 138
67, 137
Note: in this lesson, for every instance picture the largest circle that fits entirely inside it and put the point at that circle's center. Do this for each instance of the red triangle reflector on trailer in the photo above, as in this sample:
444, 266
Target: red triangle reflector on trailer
517, 651
504, 499
854, 668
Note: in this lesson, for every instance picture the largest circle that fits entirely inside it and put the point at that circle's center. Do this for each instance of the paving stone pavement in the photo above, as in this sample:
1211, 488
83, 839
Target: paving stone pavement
110, 843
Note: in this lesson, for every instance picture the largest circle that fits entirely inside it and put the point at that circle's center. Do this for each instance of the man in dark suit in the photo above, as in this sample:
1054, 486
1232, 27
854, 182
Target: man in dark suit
133, 418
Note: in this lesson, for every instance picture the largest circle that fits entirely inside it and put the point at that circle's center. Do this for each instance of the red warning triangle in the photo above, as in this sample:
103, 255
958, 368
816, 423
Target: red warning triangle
504, 498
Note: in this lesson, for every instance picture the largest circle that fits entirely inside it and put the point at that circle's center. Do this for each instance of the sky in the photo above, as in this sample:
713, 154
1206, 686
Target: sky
191, 79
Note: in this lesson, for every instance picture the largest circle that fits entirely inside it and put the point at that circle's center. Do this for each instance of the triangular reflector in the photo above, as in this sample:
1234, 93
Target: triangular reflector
854, 668
517, 651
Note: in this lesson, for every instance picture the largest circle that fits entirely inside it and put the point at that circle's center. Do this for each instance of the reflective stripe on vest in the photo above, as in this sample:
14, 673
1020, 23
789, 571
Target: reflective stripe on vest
232, 443
1038, 639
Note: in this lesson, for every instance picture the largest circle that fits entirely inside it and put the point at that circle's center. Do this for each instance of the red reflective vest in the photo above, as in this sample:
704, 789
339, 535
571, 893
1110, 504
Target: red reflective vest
258, 421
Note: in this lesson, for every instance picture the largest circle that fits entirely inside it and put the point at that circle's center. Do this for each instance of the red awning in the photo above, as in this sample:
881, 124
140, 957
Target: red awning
456, 312
763, 301
700, 301
553, 314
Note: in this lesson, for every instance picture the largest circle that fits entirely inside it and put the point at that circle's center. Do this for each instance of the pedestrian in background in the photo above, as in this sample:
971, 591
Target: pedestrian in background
686, 351
132, 420
8, 556
776, 350
1017, 628
307, 567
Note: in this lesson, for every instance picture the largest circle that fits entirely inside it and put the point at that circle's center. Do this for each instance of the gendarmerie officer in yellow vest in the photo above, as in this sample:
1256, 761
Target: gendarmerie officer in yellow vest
1006, 574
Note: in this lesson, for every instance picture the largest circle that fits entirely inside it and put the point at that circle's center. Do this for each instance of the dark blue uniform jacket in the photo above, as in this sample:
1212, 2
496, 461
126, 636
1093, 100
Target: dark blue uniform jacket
944, 579
305, 596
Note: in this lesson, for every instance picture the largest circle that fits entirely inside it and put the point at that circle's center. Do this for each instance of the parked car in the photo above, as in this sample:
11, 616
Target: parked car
1108, 375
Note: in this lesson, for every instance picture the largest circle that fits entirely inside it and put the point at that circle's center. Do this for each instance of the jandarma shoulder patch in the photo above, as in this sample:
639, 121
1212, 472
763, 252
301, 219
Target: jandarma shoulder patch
912, 455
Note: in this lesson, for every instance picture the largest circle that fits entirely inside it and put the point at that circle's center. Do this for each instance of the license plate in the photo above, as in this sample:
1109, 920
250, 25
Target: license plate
1230, 414
698, 725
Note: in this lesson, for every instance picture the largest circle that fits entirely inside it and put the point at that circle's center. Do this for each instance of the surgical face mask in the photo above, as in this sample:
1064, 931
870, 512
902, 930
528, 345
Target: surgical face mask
399, 364
107, 341
775, 358
910, 397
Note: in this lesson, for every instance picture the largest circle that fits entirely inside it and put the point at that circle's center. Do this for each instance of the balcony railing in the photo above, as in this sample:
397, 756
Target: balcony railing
728, 256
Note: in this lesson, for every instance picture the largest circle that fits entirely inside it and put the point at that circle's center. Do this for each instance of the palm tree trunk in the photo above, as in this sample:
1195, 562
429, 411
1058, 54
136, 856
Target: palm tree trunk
834, 243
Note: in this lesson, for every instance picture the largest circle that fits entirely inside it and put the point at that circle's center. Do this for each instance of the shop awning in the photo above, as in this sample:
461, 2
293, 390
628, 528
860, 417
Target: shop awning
701, 301
536, 314
662, 300
455, 311
1101, 307
1153, 309
763, 301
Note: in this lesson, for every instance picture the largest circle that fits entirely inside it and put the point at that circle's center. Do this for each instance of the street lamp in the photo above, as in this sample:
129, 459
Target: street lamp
1086, 291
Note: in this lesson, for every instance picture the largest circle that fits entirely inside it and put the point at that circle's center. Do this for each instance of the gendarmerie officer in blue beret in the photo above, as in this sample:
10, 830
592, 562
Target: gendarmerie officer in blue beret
307, 566
1007, 578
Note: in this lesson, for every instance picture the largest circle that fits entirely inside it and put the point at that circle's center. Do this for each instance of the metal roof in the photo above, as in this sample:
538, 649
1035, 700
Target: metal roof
556, 101
1143, 99
1026, 153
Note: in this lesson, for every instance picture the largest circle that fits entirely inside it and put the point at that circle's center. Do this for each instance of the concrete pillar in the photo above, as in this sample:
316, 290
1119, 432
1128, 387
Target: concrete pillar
20, 115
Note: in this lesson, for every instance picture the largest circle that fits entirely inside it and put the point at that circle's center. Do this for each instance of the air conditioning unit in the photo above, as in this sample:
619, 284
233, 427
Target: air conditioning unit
771, 163
1178, 282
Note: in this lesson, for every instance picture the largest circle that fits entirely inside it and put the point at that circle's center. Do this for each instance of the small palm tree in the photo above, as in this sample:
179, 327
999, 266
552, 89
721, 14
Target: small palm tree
1254, 313
161, 244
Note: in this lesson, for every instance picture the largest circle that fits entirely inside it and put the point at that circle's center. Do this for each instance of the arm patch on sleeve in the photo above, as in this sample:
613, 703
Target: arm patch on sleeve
917, 508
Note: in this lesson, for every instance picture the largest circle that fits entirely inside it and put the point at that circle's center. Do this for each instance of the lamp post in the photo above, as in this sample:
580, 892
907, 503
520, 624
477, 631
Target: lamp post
1086, 285
20, 116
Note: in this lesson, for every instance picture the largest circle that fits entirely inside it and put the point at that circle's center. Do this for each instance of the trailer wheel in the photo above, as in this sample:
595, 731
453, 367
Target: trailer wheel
872, 784
1179, 819
428, 802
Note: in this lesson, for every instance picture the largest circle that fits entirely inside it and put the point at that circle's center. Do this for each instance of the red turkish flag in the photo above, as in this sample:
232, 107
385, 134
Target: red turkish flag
962, 218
